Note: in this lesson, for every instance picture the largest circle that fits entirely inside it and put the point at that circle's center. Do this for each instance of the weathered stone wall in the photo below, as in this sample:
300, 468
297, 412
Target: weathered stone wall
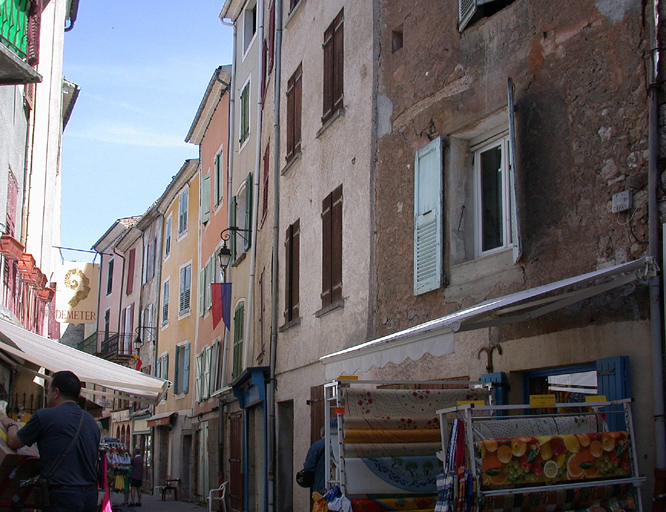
581, 97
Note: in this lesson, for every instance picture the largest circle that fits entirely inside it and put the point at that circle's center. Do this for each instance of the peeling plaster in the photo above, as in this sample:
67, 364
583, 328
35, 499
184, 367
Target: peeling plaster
616, 10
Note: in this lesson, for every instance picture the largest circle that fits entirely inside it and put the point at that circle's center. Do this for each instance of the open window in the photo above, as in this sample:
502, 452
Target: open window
471, 11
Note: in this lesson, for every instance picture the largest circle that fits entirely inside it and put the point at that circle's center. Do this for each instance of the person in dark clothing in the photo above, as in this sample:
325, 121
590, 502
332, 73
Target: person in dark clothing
73, 486
137, 478
314, 461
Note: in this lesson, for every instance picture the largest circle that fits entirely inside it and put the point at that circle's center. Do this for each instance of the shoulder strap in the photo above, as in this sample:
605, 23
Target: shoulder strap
64, 454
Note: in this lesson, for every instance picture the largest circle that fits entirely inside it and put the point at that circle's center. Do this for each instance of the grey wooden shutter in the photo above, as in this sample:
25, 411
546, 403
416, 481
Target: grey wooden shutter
186, 369
428, 193
513, 180
205, 198
466, 9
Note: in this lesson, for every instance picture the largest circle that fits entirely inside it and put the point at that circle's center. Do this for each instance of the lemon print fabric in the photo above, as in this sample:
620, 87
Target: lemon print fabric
520, 461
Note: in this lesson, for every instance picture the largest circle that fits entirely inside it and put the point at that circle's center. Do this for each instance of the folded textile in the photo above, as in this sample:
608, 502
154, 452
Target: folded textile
521, 427
391, 449
392, 475
392, 436
429, 421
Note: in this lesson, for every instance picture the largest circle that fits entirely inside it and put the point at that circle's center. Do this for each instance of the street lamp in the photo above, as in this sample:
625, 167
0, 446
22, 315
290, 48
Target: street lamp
224, 254
138, 341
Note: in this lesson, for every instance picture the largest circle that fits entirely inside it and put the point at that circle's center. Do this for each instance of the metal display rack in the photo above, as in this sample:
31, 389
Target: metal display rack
471, 416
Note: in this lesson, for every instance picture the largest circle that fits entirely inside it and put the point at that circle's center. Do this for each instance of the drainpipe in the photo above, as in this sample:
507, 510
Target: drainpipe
230, 149
276, 244
654, 246
255, 197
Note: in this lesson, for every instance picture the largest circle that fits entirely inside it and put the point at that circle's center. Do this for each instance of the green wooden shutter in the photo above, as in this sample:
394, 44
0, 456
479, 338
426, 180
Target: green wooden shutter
215, 356
186, 369
199, 378
210, 278
613, 381
248, 211
205, 198
202, 286
428, 193
232, 223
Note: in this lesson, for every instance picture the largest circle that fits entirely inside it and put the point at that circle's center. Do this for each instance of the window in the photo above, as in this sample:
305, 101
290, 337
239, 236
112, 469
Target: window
185, 289
269, 47
239, 318
109, 278
428, 218
293, 4
130, 272
244, 113
471, 11
167, 236
149, 261
205, 198
107, 323
219, 178
249, 26
294, 93
207, 275
331, 217
206, 362
182, 210
182, 369
241, 217
292, 256
165, 302
162, 369
333, 67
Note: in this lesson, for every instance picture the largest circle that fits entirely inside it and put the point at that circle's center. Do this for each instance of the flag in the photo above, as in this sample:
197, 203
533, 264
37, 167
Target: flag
139, 362
221, 303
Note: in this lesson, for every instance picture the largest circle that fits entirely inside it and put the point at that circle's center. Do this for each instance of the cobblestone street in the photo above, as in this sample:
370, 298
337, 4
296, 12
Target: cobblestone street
155, 504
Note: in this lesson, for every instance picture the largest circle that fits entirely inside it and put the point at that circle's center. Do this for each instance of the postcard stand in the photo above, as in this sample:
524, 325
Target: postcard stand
532, 464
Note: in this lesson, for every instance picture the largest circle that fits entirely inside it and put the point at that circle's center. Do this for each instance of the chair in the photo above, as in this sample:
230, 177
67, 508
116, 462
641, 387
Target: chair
222, 491
170, 484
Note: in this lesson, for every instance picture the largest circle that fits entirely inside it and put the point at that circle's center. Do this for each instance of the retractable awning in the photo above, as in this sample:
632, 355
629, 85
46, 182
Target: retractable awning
161, 419
120, 381
436, 337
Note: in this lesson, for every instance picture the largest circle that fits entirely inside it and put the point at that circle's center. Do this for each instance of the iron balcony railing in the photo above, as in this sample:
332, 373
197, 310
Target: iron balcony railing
89, 345
19, 27
116, 346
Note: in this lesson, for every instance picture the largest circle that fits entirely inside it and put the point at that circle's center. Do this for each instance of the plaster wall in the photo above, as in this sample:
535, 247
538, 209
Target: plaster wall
150, 290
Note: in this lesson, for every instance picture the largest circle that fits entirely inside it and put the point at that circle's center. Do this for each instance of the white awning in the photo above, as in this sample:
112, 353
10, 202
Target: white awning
436, 337
54, 356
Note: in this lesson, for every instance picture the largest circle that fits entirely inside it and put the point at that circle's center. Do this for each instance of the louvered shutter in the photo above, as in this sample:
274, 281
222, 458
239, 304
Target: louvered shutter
267, 163
428, 193
613, 381
186, 368
288, 270
292, 248
210, 278
298, 108
329, 58
339, 56
326, 251
130, 272
165, 302
466, 9
201, 306
198, 361
232, 223
248, 212
205, 198
34, 29
290, 117
336, 245
214, 365
176, 372
513, 180
219, 178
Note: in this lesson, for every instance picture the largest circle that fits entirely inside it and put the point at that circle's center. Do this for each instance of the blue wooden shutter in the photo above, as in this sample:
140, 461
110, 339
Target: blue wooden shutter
428, 193
176, 372
248, 211
205, 198
513, 181
499, 381
613, 381
186, 368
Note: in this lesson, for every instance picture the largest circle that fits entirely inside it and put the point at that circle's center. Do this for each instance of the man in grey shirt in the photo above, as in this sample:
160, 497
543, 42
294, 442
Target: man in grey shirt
73, 486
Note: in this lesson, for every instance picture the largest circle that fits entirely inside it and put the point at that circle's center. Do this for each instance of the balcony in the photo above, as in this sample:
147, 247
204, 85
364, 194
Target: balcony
19, 41
116, 347
89, 345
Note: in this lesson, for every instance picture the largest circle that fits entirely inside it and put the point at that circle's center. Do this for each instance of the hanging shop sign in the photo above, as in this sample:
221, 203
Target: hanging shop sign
76, 300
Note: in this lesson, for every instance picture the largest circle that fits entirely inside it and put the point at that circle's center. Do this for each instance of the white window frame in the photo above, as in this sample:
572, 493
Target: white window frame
218, 165
167, 236
183, 206
166, 290
181, 363
247, 85
248, 38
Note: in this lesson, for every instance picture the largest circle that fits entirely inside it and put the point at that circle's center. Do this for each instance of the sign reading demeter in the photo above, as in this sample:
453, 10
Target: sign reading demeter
76, 297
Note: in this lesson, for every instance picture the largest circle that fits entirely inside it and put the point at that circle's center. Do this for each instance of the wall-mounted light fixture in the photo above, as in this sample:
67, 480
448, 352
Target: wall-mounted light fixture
224, 254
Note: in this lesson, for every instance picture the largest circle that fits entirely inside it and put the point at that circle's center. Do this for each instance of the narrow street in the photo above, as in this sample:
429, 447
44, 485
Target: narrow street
155, 504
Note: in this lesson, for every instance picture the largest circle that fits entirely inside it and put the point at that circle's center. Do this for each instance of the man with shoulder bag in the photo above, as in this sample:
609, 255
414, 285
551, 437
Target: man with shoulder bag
68, 441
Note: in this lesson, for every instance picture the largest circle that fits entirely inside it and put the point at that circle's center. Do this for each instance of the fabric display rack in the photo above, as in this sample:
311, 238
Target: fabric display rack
382, 442
503, 458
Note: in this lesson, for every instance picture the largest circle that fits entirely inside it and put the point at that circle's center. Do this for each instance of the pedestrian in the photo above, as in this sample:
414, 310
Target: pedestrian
314, 462
137, 478
73, 485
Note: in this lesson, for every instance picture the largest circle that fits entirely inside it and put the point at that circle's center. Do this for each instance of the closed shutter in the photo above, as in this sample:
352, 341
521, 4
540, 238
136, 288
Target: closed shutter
317, 412
613, 381
328, 73
267, 166
186, 369
336, 245
165, 368
176, 372
214, 365
238, 340
165, 303
292, 249
219, 178
206, 376
182, 216
333, 67
513, 180
210, 278
201, 305
130, 272
428, 193
12, 200
290, 118
198, 361
338, 53
232, 223
205, 198
326, 214
248, 212
294, 107
298, 108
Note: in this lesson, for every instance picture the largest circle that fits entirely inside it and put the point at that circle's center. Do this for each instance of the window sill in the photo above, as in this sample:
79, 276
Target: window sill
337, 114
180, 396
290, 324
184, 314
293, 12
239, 260
331, 307
291, 163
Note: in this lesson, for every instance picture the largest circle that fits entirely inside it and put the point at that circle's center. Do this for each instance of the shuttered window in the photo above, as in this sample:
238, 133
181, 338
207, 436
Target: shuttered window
244, 114
182, 211
205, 198
292, 258
130, 271
294, 109
185, 289
182, 369
248, 212
165, 302
332, 248
232, 223
239, 316
167, 237
333, 67
428, 193
219, 178
109, 278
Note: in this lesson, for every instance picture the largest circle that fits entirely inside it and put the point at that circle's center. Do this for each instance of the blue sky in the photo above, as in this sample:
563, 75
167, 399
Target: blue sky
143, 68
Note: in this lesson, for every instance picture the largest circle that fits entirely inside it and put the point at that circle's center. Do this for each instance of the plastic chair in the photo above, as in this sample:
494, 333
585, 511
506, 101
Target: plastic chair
170, 484
222, 490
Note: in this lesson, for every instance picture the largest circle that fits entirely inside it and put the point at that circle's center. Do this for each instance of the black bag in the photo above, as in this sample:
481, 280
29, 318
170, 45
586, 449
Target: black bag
40, 492
305, 478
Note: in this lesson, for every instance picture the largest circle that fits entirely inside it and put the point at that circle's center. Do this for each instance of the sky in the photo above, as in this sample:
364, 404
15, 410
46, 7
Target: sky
143, 68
